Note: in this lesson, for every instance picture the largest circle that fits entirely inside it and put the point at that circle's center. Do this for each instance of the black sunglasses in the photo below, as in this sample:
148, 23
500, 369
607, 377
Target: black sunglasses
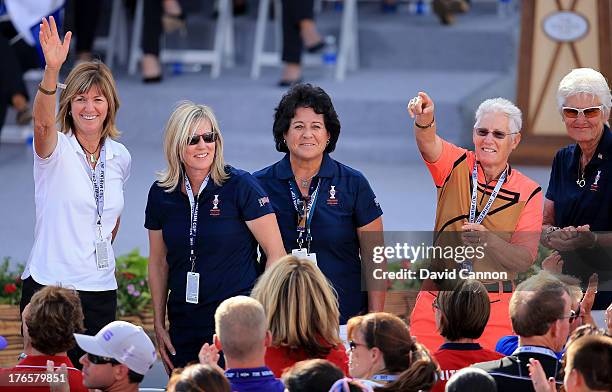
208, 137
496, 134
353, 345
99, 360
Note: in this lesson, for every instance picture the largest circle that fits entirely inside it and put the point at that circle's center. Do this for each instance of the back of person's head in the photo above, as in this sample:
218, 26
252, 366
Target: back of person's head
464, 312
421, 375
389, 334
301, 306
313, 375
471, 379
54, 315
589, 362
240, 326
198, 378
536, 304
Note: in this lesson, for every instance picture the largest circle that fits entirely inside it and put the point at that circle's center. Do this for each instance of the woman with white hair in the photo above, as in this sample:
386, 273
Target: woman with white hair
205, 219
578, 201
483, 204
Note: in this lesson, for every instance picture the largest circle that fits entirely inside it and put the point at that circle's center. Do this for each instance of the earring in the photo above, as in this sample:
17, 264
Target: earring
285, 141
70, 112
327, 144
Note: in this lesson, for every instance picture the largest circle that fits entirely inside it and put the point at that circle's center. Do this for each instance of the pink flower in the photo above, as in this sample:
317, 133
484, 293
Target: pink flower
130, 288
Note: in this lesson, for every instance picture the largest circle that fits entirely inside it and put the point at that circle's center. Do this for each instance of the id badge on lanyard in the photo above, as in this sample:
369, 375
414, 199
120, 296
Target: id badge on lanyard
102, 246
192, 286
468, 264
305, 211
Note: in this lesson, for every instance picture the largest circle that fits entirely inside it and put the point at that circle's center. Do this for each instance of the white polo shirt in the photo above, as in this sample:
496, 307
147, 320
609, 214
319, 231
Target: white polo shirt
65, 234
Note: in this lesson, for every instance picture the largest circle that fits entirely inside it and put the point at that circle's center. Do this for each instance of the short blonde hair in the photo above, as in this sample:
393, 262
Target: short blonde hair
240, 325
301, 306
81, 79
179, 130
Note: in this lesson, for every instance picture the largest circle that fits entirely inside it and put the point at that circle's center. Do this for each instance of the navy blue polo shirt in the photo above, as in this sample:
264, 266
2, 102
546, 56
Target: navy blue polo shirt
254, 380
225, 247
334, 223
591, 204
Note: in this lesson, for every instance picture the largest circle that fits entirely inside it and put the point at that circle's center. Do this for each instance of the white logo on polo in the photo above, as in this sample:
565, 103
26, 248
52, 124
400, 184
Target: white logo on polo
332, 192
216, 203
597, 177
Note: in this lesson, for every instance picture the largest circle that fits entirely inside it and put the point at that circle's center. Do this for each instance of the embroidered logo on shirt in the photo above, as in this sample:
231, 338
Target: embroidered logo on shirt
332, 201
263, 201
215, 211
594, 185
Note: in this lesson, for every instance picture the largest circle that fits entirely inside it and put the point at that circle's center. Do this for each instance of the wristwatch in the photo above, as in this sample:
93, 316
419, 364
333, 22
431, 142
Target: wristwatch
548, 231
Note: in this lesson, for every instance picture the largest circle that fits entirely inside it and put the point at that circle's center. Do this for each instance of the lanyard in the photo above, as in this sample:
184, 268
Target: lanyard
384, 377
492, 198
536, 350
193, 227
245, 374
305, 212
97, 179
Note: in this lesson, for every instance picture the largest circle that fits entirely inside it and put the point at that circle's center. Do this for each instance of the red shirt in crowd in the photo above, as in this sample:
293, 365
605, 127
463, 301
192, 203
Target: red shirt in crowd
278, 359
455, 356
34, 364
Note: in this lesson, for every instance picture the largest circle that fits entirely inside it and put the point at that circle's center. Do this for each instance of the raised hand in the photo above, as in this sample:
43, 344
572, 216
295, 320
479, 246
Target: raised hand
421, 105
54, 50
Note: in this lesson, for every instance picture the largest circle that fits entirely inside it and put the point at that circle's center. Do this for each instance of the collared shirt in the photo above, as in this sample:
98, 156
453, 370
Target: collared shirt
254, 380
515, 215
65, 234
225, 248
38, 364
591, 204
344, 203
455, 356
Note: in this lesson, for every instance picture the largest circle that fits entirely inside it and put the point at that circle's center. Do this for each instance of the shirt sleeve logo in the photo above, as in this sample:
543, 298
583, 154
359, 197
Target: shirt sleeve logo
215, 211
332, 201
263, 201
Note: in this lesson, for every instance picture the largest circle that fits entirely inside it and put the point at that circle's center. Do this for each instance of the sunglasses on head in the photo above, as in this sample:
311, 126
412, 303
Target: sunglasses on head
208, 137
591, 112
99, 360
496, 134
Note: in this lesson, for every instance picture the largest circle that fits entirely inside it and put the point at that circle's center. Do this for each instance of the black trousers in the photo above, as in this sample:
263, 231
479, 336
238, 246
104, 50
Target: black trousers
99, 309
86, 16
151, 27
294, 11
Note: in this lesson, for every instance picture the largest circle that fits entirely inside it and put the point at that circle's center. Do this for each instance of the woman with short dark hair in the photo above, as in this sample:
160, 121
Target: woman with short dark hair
326, 210
461, 317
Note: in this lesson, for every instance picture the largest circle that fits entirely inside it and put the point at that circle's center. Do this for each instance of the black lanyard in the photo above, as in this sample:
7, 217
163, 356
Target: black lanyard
193, 228
305, 212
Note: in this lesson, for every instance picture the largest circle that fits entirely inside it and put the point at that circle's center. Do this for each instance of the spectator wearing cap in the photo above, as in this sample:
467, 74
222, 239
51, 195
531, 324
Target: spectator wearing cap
461, 317
49, 322
540, 312
117, 358
241, 333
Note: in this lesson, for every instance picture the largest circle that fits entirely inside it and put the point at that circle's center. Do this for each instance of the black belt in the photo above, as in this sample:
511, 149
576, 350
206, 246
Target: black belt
506, 286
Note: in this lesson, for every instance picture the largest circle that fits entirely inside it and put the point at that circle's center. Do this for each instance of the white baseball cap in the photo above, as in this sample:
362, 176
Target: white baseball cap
122, 341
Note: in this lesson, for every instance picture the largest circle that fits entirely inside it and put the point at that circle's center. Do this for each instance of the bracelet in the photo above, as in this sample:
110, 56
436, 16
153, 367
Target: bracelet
45, 91
416, 124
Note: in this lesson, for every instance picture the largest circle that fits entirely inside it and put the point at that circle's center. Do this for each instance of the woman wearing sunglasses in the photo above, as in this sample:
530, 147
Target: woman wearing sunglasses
578, 204
205, 219
383, 355
483, 204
